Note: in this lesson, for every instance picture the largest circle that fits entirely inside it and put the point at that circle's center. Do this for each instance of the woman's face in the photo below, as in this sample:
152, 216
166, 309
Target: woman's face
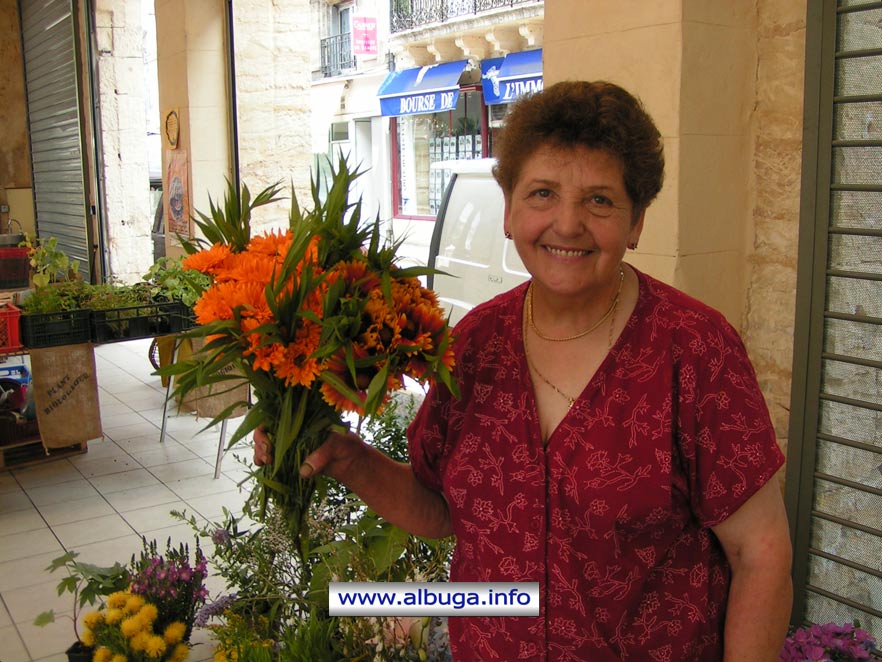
571, 219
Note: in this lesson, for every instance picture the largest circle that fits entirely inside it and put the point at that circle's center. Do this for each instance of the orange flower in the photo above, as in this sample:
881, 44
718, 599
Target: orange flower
273, 244
355, 273
299, 369
246, 268
219, 301
206, 261
380, 325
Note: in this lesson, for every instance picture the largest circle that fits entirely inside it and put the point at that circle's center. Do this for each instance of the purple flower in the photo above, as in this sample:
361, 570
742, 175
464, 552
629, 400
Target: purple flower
220, 537
216, 608
827, 643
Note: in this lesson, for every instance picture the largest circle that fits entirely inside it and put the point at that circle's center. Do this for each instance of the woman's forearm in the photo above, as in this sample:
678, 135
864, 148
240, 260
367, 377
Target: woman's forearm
388, 487
757, 614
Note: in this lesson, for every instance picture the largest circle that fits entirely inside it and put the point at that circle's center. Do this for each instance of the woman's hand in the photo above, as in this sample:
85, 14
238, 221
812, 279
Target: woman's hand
337, 457
390, 488
263, 449
334, 457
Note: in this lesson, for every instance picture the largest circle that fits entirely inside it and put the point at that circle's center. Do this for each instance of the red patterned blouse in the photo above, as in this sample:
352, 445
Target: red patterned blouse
611, 518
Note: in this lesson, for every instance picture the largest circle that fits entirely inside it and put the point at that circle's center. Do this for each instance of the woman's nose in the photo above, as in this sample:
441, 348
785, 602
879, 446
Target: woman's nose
571, 218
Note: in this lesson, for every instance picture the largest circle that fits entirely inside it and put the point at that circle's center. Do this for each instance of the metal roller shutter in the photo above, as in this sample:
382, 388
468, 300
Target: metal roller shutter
835, 473
55, 125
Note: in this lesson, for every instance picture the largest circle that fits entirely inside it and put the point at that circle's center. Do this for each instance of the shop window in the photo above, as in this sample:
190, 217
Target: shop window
429, 138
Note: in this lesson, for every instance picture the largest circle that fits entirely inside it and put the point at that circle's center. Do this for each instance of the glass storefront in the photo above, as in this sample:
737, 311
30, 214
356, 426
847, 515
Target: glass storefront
432, 137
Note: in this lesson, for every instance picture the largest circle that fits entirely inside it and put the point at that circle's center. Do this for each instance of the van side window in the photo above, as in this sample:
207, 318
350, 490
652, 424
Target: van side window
470, 224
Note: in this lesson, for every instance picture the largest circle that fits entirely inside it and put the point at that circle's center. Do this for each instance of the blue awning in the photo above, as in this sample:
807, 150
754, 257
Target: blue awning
421, 90
506, 79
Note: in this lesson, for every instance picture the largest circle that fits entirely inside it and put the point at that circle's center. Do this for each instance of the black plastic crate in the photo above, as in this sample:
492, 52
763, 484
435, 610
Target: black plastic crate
15, 268
145, 321
68, 327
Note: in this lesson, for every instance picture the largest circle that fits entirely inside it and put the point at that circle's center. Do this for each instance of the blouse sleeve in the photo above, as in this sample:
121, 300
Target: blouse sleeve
726, 438
426, 437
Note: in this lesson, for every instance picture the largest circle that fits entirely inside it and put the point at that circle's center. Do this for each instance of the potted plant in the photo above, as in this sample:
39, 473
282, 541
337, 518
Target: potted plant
828, 643
168, 581
49, 264
89, 584
153, 618
169, 281
53, 313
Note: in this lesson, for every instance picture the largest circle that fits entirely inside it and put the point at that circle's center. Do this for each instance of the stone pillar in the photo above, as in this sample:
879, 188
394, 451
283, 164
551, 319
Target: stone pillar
272, 87
273, 93
123, 124
692, 63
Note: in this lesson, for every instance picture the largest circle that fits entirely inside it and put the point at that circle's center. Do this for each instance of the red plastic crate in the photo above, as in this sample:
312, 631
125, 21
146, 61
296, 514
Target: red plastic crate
10, 340
15, 268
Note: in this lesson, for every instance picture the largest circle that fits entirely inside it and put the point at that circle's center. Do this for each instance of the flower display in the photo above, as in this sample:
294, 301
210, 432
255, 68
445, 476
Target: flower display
828, 643
169, 582
319, 319
274, 600
128, 629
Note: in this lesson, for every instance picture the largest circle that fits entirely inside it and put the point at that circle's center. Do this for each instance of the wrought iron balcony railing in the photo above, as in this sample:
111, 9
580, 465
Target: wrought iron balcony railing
337, 54
409, 14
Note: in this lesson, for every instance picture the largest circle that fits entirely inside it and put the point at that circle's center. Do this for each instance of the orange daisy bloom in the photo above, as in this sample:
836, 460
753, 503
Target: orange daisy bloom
206, 261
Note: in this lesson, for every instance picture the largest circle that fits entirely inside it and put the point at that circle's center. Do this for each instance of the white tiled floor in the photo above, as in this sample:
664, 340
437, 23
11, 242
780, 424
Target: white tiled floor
99, 503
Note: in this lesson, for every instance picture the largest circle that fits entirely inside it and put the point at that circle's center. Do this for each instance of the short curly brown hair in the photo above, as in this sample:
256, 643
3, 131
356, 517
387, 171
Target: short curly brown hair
596, 115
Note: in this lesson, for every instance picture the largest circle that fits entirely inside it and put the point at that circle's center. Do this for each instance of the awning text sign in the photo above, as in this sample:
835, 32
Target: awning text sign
430, 89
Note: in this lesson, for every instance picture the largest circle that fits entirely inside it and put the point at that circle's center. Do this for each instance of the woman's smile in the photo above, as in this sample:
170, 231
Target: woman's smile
567, 252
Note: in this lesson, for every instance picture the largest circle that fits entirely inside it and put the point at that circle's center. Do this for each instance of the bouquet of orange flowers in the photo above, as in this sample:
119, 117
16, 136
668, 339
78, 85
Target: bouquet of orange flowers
318, 318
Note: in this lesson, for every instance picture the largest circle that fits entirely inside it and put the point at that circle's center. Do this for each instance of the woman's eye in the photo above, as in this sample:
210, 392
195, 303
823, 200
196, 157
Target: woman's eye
601, 200
541, 193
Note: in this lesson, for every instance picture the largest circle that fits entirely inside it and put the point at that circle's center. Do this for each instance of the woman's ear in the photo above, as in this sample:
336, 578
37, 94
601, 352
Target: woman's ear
506, 225
636, 229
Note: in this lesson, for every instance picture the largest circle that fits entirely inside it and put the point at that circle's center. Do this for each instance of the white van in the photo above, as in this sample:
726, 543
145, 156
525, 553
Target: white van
468, 242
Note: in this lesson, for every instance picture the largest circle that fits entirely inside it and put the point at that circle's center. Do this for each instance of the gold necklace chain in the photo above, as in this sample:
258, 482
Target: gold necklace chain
610, 311
528, 318
570, 400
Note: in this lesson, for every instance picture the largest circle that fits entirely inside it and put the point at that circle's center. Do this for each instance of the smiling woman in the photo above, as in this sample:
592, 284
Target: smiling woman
611, 442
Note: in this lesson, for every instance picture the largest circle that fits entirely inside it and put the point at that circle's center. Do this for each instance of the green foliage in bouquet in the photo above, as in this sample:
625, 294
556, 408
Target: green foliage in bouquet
275, 602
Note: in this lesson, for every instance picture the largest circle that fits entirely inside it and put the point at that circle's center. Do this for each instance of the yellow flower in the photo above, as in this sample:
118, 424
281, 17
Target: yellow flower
155, 646
139, 641
93, 619
119, 657
180, 653
102, 654
131, 626
117, 600
88, 638
148, 614
220, 656
134, 603
113, 616
175, 632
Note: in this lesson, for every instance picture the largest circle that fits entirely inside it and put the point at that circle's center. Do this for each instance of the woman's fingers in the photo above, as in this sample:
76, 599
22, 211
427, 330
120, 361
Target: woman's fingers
335, 453
332, 456
263, 449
